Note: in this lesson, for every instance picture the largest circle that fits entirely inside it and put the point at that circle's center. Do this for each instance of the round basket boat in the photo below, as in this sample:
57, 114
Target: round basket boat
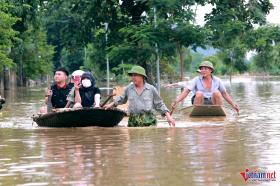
81, 118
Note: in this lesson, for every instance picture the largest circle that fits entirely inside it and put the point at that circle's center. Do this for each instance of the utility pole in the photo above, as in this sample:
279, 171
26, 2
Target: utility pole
157, 54
107, 59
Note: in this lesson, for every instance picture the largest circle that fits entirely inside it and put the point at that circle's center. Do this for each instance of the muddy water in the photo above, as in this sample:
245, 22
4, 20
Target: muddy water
195, 152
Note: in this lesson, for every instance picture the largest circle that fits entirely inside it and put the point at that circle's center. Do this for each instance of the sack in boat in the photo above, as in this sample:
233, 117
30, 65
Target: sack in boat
142, 120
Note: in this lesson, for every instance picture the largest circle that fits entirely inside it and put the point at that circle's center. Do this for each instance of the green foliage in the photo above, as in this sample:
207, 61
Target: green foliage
230, 21
7, 34
72, 33
265, 41
72, 59
121, 72
37, 55
30, 52
220, 67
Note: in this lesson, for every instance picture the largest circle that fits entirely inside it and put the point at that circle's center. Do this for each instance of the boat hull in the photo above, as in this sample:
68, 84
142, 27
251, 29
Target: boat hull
81, 118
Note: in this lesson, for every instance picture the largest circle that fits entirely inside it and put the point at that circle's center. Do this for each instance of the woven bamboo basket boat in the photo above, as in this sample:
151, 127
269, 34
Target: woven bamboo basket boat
81, 118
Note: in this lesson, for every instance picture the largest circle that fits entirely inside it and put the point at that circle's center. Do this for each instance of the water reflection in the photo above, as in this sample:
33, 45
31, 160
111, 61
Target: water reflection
196, 152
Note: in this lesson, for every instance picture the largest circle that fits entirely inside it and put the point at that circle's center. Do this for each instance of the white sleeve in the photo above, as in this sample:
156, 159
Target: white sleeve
182, 84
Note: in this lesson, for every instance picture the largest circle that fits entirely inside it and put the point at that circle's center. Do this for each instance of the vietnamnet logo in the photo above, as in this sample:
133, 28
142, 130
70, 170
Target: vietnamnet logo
258, 175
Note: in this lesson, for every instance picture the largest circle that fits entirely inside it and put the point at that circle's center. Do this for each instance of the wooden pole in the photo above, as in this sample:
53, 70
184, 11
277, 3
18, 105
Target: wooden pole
49, 104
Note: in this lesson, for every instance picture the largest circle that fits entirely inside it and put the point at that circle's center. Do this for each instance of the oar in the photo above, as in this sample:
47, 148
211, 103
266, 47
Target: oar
49, 104
110, 96
172, 110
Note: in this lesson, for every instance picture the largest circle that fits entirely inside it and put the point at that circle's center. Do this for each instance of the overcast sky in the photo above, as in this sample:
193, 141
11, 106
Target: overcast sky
273, 17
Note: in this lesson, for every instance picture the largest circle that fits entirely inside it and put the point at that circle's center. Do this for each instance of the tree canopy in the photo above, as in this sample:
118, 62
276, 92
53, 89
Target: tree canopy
39, 35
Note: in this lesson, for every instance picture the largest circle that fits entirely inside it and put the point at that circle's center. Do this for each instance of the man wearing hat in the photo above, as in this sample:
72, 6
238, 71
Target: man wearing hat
207, 88
143, 100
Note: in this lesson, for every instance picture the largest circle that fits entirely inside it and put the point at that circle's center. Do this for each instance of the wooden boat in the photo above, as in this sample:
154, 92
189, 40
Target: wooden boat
81, 118
205, 111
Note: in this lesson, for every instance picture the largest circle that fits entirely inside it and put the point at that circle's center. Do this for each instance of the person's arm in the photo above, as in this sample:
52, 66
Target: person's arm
182, 96
97, 100
70, 98
78, 98
161, 107
191, 86
180, 84
169, 118
119, 100
227, 97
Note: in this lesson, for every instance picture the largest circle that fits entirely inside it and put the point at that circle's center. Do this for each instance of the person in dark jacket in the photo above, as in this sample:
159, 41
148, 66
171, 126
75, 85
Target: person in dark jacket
86, 94
58, 91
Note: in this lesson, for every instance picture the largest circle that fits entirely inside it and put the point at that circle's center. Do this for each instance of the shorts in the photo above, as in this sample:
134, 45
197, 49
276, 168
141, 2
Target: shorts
207, 101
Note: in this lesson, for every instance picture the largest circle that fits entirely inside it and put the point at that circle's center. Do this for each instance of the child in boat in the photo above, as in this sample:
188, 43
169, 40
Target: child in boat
86, 94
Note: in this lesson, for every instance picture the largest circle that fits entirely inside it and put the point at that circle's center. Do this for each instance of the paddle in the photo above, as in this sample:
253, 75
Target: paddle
110, 96
49, 104
172, 109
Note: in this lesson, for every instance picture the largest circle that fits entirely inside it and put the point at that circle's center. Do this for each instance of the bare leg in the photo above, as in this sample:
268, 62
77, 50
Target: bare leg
217, 98
199, 98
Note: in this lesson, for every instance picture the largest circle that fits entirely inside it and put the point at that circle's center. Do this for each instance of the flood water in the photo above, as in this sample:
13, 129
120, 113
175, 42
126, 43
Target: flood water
195, 152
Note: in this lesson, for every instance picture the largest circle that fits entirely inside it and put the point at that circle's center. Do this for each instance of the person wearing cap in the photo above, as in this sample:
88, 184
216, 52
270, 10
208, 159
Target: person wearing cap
58, 91
143, 100
86, 93
207, 88
75, 78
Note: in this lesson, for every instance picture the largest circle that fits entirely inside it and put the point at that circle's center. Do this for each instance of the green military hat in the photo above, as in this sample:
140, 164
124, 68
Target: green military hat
137, 70
206, 64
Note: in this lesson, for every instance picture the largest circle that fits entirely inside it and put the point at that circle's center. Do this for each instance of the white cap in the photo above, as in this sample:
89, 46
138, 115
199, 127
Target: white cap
77, 73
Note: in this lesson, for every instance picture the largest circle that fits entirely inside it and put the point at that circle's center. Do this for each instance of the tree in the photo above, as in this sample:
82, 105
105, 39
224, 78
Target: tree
30, 52
229, 22
265, 41
7, 36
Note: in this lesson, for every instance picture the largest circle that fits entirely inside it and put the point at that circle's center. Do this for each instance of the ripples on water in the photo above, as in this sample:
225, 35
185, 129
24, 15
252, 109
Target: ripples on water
196, 152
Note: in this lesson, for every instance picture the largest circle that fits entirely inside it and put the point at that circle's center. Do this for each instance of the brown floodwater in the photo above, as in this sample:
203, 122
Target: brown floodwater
195, 152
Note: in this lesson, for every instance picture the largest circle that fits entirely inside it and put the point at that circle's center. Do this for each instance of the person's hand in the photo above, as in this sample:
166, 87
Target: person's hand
77, 85
97, 106
108, 106
174, 104
48, 92
170, 120
236, 107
